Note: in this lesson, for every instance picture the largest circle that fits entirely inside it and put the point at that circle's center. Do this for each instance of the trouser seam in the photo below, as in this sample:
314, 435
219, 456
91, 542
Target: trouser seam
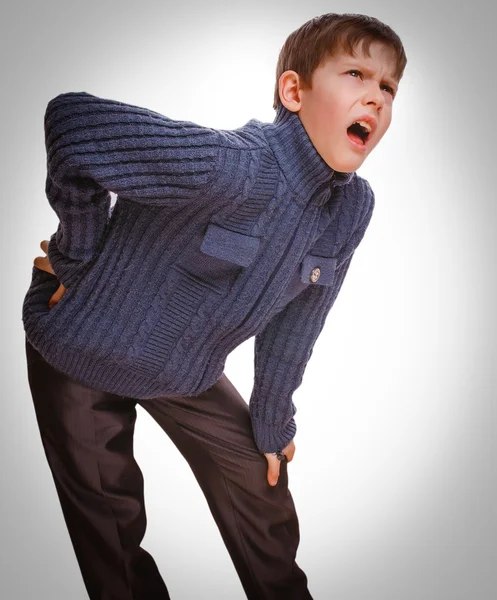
240, 533
109, 503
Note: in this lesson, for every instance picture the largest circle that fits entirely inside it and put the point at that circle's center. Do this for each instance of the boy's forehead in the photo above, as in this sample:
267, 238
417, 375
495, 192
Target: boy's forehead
342, 56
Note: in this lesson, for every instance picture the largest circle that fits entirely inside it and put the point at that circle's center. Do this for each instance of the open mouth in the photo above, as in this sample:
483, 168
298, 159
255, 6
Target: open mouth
359, 132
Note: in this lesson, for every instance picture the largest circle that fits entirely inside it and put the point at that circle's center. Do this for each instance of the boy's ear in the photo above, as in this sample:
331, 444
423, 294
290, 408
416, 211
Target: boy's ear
289, 90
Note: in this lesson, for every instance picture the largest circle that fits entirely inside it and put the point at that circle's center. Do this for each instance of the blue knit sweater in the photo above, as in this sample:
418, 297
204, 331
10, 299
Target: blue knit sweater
216, 236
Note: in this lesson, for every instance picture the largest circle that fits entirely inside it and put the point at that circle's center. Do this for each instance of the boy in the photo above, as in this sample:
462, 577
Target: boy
216, 236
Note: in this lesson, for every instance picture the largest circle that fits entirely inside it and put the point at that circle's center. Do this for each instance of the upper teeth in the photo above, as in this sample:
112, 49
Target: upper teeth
365, 124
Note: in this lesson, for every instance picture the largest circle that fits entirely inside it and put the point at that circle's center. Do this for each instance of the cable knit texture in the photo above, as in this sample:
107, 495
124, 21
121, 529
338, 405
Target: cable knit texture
216, 236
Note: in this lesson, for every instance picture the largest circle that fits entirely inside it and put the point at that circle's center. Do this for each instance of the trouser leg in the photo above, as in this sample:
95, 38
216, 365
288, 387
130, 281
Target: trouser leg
87, 436
257, 522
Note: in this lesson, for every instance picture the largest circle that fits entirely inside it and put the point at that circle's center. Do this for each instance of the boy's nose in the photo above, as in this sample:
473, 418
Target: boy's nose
374, 94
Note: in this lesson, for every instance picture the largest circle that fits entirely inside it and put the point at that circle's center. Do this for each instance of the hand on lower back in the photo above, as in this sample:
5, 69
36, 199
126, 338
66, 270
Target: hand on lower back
42, 262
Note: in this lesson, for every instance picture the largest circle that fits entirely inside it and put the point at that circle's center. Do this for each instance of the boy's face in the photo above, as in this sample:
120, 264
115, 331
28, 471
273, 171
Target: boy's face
339, 96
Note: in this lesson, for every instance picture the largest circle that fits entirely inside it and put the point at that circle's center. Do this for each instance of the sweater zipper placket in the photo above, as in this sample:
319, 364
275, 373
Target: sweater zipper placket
332, 185
276, 269
269, 281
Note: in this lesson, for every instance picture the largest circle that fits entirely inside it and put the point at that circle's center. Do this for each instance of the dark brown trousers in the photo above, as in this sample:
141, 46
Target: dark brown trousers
87, 435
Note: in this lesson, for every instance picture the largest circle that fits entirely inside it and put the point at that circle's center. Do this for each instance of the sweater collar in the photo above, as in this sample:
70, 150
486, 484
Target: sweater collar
304, 168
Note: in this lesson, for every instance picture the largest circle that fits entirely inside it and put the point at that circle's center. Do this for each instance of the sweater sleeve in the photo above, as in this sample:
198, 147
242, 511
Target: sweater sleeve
95, 146
283, 349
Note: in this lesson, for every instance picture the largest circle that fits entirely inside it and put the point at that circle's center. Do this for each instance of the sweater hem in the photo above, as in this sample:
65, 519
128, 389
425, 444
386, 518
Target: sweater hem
95, 372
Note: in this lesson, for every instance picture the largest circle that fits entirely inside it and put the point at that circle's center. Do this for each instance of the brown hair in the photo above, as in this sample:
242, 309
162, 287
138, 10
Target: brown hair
324, 36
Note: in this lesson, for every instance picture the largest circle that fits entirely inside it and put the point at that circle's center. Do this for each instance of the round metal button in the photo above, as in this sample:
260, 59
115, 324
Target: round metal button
315, 273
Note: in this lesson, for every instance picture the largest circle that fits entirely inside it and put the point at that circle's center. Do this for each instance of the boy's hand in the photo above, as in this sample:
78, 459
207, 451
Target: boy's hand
273, 471
42, 262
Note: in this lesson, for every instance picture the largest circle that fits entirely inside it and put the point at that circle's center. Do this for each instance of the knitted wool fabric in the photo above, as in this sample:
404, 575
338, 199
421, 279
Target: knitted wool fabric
216, 236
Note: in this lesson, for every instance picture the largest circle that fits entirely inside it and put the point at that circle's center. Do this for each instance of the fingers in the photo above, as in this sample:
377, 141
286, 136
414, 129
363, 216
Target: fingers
273, 471
61, 290
42, 262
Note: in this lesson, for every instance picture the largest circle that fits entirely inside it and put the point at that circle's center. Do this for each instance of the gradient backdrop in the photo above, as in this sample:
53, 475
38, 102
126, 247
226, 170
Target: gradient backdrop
394, 476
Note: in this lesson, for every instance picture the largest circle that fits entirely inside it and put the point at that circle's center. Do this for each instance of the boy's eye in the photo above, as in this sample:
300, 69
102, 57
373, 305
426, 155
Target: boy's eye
387, 87
389, 90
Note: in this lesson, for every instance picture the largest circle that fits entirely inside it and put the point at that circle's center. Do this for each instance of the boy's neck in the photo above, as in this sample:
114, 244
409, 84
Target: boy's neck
303, 166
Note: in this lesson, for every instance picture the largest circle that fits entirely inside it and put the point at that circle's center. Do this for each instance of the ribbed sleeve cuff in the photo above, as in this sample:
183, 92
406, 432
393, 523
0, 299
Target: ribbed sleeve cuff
66, 269
270, 438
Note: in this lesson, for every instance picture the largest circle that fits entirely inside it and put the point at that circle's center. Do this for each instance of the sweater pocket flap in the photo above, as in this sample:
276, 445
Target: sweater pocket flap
235, 247
319, 270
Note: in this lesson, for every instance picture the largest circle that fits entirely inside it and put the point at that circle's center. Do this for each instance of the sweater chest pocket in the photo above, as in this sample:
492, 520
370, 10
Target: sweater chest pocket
221, 257
318, 270
230, 245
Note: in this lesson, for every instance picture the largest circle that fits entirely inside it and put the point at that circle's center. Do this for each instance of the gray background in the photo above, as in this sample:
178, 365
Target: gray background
394, 476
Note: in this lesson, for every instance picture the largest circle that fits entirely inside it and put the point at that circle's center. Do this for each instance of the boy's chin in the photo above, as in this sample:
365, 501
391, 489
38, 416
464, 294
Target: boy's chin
347, 162
346, 166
